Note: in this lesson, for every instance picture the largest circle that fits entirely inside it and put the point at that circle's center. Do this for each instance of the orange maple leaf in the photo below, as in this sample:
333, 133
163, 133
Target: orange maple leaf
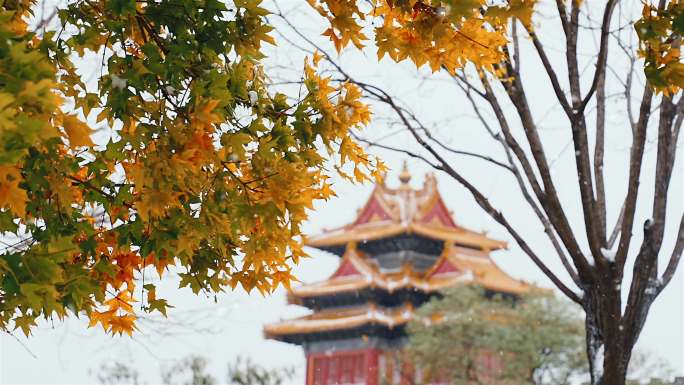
11, 195
77, 131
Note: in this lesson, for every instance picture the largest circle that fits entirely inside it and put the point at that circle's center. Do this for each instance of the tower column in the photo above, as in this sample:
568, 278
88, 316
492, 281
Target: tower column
372, 367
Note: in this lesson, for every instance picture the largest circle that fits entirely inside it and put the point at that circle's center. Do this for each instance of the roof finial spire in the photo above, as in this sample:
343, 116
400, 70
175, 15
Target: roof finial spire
405, 175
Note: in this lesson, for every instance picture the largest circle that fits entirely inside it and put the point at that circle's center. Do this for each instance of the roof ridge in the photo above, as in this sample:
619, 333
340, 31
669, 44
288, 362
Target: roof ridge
388, 212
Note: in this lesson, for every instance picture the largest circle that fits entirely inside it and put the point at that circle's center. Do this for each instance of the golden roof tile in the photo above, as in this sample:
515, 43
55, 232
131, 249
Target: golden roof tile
389, 212
486, 273
341, 319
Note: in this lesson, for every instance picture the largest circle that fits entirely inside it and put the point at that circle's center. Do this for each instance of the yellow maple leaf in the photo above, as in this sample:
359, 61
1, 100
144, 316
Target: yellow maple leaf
77, 132
11, 195
187, 243
123, 324
155, 203
103, 318
317, 56
204, 115
122, 301
282, 277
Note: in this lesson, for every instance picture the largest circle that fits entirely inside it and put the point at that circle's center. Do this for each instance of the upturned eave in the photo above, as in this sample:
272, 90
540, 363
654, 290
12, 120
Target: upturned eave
345, 319
386, 229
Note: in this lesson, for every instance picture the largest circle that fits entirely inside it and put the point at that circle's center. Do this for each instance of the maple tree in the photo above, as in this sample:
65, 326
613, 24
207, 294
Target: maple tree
659, 30
478, 43
203, 167
179, 153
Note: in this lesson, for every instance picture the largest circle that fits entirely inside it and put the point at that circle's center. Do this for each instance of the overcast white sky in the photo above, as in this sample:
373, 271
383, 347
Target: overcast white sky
64, 353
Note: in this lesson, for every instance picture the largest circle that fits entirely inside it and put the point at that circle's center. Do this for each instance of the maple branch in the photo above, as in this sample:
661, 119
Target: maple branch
616, 229
549, 197
454, 151
594, 230
468, 153
23, 345
571, 55
471, 87
592, 218
563, 15
546, 220
516, 46
475, 155
674, 258
550, 72
261, 178
665, 153
645, 284
395, 149
90, 187
628, 82
599, 143
643, 288
600, 74
636, 158
119, 299
145, 29
548, 229
245, 185
145, 25
18, 246
677, 125
484, 203
511, 142
480, 198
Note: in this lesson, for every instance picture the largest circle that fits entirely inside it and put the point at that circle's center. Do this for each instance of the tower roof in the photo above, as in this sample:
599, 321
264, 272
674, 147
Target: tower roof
455, 266
358, 272
404, 210
428, 251
327, 321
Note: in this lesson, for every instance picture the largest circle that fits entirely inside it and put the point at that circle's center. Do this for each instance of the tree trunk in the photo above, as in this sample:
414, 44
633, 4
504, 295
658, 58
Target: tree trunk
606, 350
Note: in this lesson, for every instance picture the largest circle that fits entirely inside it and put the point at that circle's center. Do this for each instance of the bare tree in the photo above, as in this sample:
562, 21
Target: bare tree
594, 254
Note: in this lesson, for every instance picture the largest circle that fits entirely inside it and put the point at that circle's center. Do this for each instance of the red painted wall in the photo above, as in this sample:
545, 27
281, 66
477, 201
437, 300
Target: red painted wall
361, 366
343, 367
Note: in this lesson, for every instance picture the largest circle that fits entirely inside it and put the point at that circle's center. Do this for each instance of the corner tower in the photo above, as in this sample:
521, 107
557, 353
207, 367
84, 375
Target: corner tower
402, 249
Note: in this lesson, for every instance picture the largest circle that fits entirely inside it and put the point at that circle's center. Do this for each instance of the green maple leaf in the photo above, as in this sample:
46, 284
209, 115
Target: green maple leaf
160, 305
188, 279
25, 322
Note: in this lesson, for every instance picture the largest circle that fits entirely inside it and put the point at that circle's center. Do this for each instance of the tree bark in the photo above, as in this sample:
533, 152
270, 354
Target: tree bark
606, 349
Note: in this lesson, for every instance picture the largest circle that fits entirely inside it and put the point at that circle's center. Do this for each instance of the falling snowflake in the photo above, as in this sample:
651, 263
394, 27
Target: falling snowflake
253, 97
118, 83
